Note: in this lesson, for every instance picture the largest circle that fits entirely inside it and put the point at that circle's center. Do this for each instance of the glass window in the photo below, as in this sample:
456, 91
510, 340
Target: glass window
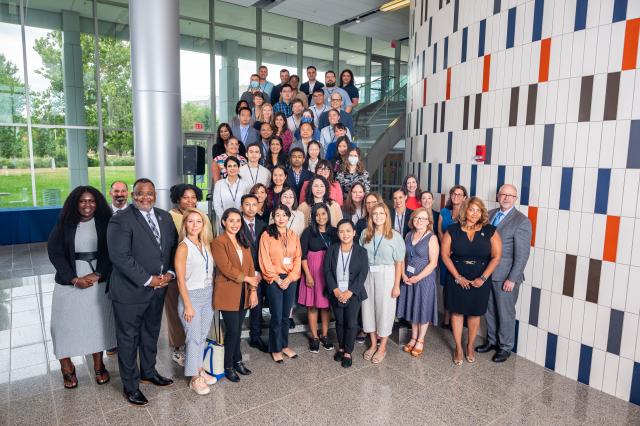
195, 87
12, 96
382, 48
51, 167
119, 158
239, 16
317, 33
352, 41
16, 168
355, 62
278, 24
244, 38
245, 69
279, 53
195, 9
320, 57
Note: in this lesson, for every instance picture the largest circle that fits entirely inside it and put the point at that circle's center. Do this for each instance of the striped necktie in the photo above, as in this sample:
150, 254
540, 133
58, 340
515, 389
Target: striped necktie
153, 227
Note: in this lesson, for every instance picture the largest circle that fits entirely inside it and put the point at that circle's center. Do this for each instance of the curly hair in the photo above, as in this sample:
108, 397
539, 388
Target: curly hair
70, 213
475, 201
359, 167
177, 191
449, 204
309, 198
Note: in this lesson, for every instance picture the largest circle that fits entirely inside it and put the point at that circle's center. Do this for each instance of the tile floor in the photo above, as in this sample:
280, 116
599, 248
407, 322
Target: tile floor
310, 389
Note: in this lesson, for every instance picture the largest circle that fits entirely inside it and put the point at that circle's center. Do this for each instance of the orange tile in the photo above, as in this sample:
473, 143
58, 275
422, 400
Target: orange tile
533, 217
486, 72
611, 238
545, 53
630, 52
448, 83
424, 92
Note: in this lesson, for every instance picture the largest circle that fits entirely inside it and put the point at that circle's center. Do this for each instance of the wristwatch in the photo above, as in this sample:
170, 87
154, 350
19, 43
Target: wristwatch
483, 278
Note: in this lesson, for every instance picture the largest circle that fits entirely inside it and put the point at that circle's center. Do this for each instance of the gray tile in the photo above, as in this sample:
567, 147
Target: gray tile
29, 381
110, 395
129, 416
4, 414
97, 419
33, 410
217, 401
172, 408
73, 405
269, 414
325, 401
27, 356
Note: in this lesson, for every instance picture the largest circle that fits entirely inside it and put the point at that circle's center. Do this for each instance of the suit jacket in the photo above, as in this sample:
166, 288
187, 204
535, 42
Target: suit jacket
230, 274
304, 88
260, 226
515, 230
305, 175
358, 269
136, 255
345, 118
405, 224
252, 137
62, 251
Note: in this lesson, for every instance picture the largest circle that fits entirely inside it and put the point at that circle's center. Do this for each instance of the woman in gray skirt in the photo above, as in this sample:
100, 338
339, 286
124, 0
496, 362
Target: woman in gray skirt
81, 313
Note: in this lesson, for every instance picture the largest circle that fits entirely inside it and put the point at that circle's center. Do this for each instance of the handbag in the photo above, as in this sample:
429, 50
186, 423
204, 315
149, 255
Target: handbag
213, 357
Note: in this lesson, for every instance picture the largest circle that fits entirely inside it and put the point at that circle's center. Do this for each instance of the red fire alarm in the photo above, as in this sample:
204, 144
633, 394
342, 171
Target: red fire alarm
481, 153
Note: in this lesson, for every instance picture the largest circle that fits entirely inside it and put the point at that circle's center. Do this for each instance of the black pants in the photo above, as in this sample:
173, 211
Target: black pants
232, 331
137, 331
346, 315
255, 315
280, 302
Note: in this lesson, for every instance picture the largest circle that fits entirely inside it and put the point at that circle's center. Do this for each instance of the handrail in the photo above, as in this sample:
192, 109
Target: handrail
384, 102
383, 77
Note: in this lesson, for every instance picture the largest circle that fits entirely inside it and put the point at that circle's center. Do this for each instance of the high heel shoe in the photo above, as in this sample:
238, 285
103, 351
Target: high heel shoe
417, 352
457, 362
409, 347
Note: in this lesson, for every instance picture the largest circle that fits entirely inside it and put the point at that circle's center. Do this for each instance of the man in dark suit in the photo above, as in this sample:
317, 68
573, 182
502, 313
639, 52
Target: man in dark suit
253, 230
311, 84
296, 174
244, 131
142, 241
400, 215
515, 231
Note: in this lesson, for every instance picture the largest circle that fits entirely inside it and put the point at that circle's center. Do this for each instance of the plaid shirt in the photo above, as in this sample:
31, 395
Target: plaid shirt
283, 108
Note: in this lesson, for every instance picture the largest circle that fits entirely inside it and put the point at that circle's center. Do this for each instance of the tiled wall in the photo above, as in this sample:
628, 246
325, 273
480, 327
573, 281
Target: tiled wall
552, 89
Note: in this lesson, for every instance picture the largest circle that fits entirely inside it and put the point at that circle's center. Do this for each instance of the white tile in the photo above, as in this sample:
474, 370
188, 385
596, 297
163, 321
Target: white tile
589, 323
616, 46
616, 197
543, 311
532, 342
582, 137
563, 229
558, 272
573, 360
554, 313
621, 278
635, 110
633, 292
574, 95
525, 302
625, 95
610, 377
577, 319
602, 328
523, 333
538, 266
631, 186
602, 49
573, 230
547, 271
589, 189
625, 371
607, 278
635, 253
597, 369
562, 353
633, 10
597, 235
577, 53
565, 316
589, 57
577, 190
595, 134
606, 149
629, 335
625, 238
541, 347
621, 144
582, 274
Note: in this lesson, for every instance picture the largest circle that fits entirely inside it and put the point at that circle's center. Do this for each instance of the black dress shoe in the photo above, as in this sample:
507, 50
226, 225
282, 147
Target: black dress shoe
501, 356
338, 356
157, 380
136, 398
292, 324
259, 345
241, 368
487, 347
231, 375
346, 362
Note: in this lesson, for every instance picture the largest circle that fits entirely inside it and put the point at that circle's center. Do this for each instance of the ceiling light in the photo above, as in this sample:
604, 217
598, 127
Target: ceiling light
358, 20
394, 5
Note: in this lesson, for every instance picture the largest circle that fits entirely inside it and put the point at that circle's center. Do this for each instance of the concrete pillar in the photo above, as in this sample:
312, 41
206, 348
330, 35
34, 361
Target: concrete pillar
229, 91
336, 52
367, 70
155, 69
73, 85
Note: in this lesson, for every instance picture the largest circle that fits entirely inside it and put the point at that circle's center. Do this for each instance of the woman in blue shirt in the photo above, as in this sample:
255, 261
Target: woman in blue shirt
348, 84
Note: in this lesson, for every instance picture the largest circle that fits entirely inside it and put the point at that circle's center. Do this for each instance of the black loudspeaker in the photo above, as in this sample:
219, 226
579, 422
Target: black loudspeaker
193, 160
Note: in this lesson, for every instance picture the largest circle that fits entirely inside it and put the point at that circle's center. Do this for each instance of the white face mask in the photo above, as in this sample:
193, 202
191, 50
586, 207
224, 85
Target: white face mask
353, 160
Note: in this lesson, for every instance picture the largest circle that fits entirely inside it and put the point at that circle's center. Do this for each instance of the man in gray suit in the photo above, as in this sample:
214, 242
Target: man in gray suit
142, 241
244, 131
515, 230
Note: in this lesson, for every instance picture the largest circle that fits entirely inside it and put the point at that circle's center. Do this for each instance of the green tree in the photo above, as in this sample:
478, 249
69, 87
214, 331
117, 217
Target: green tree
11, 109
193, 112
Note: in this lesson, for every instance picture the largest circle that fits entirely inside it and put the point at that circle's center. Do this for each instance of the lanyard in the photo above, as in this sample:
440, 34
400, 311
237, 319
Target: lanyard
319, 113
285, 242
205, 255
332, 135
251, 174
324, 240
233, 195
345, 265
400, 221
412, 246
376, 247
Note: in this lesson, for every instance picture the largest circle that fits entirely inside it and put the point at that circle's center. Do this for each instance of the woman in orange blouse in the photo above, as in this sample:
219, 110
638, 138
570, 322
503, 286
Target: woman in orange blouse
280, 262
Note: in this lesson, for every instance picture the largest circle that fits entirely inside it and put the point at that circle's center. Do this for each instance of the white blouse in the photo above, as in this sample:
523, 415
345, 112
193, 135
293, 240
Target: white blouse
227, 195
252, 175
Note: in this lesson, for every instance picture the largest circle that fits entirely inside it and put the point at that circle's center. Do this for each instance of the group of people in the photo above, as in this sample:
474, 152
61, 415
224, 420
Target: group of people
295, 224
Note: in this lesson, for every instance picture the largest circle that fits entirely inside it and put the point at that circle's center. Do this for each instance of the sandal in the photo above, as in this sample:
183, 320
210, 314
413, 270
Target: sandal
368, 354
409, 347
102, 375
377, 358
456, 361
289, 353
70, 379
417, 352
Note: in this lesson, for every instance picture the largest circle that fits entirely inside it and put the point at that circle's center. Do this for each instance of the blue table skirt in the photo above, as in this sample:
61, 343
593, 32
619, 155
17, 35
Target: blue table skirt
27, 225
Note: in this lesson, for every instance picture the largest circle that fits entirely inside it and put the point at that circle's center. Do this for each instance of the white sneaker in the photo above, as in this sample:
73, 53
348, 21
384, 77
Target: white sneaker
199, 386
178, 357
208, 378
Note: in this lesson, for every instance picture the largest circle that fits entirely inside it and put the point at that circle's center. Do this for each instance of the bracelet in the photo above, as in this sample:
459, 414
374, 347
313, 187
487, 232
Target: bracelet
483, 278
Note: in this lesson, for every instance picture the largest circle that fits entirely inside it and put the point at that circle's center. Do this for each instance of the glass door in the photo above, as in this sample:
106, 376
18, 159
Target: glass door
203, 182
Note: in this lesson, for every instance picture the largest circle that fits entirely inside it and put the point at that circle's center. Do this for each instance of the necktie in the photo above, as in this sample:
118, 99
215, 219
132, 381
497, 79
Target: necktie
497, 218
253, 231
153, 227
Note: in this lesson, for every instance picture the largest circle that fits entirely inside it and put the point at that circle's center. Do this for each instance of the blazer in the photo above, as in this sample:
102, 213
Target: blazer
305, 175
252, 137
136, 255
304, 88
260, 226
230, 274
62, 251
515, 231
358, 270
405, 225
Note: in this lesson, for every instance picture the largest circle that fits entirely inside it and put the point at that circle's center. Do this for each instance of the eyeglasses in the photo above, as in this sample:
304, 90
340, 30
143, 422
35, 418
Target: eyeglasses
144, 194
336, 100
457, 194
507, 196
421, 219
370, 203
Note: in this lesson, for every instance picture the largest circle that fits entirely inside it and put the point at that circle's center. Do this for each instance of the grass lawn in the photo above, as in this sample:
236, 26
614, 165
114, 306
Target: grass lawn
17, 183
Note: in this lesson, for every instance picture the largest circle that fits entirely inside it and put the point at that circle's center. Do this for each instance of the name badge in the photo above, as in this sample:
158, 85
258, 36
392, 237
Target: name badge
286, 261
411, 269
375, 268
343, 285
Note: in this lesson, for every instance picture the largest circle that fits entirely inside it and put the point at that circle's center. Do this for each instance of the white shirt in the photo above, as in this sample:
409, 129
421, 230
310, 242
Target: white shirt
346, 100
199, 267
327, 136
154, 219
252, 175
115, 209
293, 124
317, 112
227, 195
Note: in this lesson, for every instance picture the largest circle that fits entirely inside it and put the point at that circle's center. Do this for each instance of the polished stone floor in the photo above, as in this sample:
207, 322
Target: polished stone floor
310, 389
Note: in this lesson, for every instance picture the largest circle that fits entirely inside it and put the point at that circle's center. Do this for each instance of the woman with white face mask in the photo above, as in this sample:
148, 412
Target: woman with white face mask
353, 171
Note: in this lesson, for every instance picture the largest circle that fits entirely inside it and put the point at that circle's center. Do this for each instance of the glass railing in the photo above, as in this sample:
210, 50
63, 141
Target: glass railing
372, 120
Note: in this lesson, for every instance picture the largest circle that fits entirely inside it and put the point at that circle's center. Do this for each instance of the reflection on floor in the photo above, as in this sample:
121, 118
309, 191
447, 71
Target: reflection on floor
310, 389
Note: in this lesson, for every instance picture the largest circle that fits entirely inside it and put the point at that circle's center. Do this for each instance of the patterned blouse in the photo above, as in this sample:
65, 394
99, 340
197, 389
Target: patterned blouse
220, 159
347, 180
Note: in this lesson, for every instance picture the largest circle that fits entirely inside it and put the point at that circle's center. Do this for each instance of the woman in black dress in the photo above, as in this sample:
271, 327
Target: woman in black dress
471, 250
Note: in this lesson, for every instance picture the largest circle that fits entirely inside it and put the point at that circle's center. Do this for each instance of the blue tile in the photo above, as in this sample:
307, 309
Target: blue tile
547, 144
552, 348
456, 10
465, 33
619, 10
602, 191
496, 7
633, 152
474, 179
565, 188
446, 53
483, 31
439, 178
526, 185
502, 170
430, 26
457, 178
581, 15
435, 57
538, 11
449, 146
515, 338
430, 168
488, 142
511, 27
634, 396
424, 151
614, 338
534, 306
423, 62
584, 366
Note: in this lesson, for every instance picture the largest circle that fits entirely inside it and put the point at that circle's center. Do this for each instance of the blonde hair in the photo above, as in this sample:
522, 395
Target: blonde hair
387, 230
416, 212
205, 236
462, 216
